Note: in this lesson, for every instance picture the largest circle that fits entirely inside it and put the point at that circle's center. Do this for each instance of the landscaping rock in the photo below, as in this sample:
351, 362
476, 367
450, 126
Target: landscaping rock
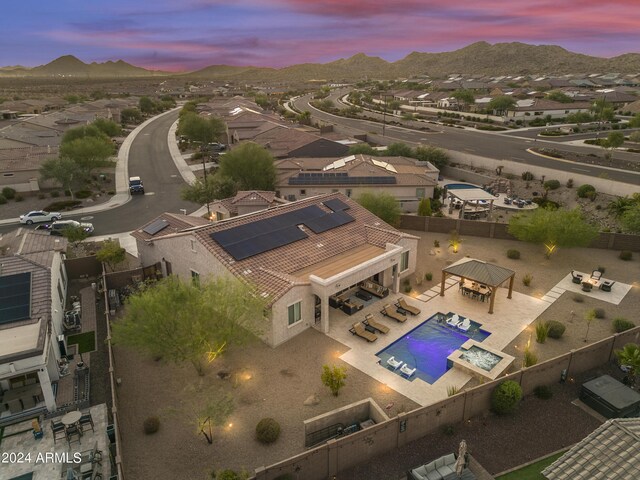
311, 400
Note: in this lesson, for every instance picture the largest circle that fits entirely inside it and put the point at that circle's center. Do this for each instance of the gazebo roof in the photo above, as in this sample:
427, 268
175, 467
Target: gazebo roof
470, 194
480, 271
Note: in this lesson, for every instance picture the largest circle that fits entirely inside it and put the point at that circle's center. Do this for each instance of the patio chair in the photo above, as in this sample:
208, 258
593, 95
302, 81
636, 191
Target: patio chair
586, 287
73, 433
596, 274
388, 311
576, 277
86, 422
394, 364
402, 303
405, 370
454, 320
465, 325
359, 330
371, 322
606, 285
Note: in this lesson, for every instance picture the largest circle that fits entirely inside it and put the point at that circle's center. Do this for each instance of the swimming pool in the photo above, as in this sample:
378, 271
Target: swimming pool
460, 186
427, 346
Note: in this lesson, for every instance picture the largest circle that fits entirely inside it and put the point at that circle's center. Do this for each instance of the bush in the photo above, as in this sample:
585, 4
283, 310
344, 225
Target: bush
530, 358
428, 276
552, 184
513, 254
621, 324
556, 329
543, 392
526, 280
55, 194
8, 193
3, 200
151, 425
448, 430
407, 288
578, 298
19, 198
542, 331
570, 183
83, 194
599, 312
436, 243
528, 176
625, 255
267, 430
63, 205
586, 190
226, 474
41, 196
505, 397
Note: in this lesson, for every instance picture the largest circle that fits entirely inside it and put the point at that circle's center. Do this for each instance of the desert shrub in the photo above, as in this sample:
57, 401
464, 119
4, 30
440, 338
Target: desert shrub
599, 312
3, 200
621, 324
63, 205
55, 194
527, 176
584, 191
530, 358
406, 282
625, 255
543, 392
505, 397
436, 243
570, 183
19, 198
8, 193
578, 298
151, 425
267, 430
556, 329
83, 194
526, 280
227, 474
448, 430
41, 196
601, 270
428, 276
552, 184
407, 288
513, 254
542, 331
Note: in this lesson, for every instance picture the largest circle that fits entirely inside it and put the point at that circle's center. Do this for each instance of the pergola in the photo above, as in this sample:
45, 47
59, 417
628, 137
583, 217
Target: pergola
471, 196
482, 272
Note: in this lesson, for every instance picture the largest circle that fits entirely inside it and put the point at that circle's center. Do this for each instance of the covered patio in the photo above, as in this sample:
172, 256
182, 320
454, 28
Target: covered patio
484, 278
480, 201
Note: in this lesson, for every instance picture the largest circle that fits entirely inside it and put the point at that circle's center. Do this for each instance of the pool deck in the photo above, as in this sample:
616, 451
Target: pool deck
510, 317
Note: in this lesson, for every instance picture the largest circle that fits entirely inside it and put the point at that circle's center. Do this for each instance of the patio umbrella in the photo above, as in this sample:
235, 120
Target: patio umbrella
462, 451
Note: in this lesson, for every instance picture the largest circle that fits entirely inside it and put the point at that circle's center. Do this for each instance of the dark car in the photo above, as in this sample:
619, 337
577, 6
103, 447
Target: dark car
57, 228
135, 185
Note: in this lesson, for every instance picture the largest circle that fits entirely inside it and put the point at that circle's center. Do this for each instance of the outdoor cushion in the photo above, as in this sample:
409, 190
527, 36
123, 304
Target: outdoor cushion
420, 470
445, 470
434, 475
430, 467
440, 462
450, 459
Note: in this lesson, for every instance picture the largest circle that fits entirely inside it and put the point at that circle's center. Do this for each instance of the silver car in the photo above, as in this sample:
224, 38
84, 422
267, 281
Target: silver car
37, 216
57, 228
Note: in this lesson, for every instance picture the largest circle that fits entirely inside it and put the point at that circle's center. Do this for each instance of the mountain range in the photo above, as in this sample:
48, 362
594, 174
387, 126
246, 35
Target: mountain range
479, 58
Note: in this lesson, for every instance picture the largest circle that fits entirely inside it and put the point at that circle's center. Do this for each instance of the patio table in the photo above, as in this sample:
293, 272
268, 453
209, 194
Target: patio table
71, 418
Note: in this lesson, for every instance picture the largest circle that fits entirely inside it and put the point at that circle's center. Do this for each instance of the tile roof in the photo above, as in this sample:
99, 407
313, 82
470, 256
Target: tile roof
38, 245
611, 451
25, 158
251, 197
176, 223
480, 271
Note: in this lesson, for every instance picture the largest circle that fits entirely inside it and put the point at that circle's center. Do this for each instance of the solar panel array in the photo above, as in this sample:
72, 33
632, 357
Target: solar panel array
338, 178
264, 235
156, 227
15, 297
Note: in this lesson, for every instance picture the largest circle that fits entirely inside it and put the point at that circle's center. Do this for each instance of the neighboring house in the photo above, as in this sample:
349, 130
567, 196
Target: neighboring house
242, 203
611, 451
448, 103
531, 108
33, 289
287, 142
20, 167
324, 246
407, 179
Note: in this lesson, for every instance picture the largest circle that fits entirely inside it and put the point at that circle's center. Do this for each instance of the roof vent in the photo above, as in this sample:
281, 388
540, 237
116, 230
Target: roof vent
247, 271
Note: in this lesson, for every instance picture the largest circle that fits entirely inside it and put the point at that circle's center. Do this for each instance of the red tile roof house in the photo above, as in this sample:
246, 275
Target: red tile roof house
330, 244
242, 203
33, 289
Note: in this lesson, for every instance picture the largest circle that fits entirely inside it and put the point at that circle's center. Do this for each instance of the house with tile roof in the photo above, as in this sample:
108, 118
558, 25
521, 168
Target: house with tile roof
20, 167
530, 109
33, 290
242, 203
296, 255
407, 179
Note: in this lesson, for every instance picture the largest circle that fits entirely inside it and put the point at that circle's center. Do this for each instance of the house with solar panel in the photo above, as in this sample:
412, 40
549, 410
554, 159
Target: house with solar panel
33, 289
407, 179
301, 256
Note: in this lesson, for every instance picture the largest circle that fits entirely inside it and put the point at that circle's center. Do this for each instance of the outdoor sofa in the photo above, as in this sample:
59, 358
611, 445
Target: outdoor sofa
443, 468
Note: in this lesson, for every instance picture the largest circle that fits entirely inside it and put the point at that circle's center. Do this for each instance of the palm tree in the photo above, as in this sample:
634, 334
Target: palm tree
618, 206
629, 356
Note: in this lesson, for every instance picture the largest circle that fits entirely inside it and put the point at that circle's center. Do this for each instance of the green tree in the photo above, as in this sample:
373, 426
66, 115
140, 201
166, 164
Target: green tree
613, 141
65, 171
398, 150
203, 191
199, 129
602, 111
84, 132
383, 205
189, 107
88, 152
631, 219
501, 104
304, 118
579, 117
334, 377
635, 121
108, 127
635, 137
111, 253
618, 206
130, 116
434, 155
559, 96
147, 105
362, 148
506, 397
75, 235
553, 229
424, 208
182, 321
250, 166
464, 97
217, 410
629, 356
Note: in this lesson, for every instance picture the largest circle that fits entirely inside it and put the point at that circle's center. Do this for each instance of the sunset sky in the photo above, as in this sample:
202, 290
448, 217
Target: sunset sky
190, 34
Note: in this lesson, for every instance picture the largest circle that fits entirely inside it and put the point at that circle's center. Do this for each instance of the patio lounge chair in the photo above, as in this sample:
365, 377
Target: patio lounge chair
86, 422
454, 320
606, 285
358, 329
405, 370
388, 311
401, 303
586, 287
371, 322
465, 325
576, 277
596, 274
395, 364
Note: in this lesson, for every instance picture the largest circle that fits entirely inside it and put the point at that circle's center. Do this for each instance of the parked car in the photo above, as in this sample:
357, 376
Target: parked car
57, 228
135, 185
37, 216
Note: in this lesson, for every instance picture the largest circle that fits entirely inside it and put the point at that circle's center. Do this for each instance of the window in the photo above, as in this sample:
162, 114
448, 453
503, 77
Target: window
303, 192
193, 245
348, 192
404, 261
195, 278
420, 192
295, 313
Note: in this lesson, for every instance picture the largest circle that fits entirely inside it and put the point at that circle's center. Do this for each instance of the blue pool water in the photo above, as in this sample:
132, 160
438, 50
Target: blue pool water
428, 345
460, 186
